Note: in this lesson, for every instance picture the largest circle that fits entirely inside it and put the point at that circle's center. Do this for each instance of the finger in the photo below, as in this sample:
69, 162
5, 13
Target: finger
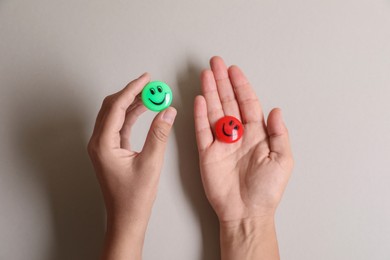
204, 135
247, 100
116, 106
158, 134
210, 93
278, 136
225, 89
131, 117
137, 101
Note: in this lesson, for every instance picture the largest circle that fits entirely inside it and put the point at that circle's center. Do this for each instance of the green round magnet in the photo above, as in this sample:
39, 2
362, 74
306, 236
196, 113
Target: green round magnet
156, 95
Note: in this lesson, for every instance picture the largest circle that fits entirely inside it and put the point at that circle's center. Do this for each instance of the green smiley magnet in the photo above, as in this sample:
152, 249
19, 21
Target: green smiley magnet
157, 95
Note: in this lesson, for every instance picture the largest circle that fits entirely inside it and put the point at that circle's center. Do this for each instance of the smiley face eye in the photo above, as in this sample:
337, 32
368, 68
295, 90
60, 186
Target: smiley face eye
236, 127
159, 88
231, 122
152, 91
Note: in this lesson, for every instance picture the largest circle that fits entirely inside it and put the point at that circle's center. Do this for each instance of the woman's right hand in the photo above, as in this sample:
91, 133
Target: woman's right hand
128, 179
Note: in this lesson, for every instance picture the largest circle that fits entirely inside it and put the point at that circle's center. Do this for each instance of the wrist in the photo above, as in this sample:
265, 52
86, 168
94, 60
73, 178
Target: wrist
249, 238
245, 230
124, 237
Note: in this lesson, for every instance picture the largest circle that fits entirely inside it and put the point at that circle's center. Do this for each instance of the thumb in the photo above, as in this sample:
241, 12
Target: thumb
278, 135
158, 134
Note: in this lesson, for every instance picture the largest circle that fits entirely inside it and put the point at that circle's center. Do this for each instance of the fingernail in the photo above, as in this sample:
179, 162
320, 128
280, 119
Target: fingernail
143, 74
169, 115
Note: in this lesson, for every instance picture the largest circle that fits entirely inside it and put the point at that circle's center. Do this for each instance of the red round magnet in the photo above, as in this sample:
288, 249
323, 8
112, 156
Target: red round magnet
229, 129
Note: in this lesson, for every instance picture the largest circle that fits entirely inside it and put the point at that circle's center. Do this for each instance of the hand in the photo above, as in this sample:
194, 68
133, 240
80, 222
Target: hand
128, 179
244, 181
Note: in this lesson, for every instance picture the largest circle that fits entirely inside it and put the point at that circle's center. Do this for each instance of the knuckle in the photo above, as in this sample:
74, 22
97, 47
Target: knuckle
160, 133
97, 150
91, 147
108, 101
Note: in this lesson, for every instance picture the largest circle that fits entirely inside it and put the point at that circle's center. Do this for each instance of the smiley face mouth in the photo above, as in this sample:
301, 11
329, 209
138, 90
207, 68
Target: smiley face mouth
159, 103
224, 132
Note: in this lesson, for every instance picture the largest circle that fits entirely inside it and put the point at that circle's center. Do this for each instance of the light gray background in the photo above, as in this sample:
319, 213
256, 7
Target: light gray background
325, 63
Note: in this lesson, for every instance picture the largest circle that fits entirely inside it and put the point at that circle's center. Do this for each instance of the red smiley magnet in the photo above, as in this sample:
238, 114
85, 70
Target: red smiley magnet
228, 129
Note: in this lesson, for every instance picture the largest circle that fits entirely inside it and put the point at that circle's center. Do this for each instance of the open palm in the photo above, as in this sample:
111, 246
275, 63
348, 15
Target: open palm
247, 178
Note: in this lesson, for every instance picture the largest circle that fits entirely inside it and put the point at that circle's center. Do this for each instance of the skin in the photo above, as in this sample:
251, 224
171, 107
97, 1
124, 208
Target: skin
128, 179
244, 181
